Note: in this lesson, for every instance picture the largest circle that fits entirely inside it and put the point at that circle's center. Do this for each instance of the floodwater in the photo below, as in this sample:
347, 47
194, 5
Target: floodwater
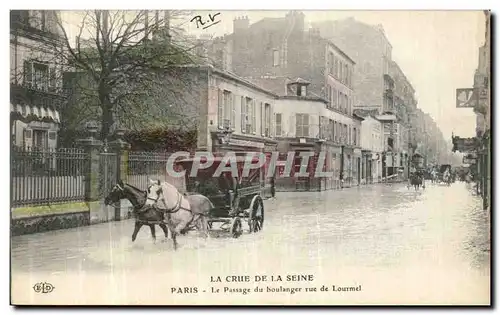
395, 245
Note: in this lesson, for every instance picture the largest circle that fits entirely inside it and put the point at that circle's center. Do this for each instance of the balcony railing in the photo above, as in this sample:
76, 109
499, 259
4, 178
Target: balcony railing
39, 97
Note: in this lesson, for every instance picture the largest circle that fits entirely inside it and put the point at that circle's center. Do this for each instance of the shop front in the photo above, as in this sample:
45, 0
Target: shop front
346, 174
366, 167
356, 167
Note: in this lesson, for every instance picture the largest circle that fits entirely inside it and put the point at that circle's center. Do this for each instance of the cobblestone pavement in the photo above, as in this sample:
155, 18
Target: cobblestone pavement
403, 246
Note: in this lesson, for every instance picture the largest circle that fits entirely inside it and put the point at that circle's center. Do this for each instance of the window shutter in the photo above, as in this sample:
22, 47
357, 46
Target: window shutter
277, 131
28, 72
233, 112
305, 124
254, 118
263, 117
243, 115
248, 116
52, 78
220, 109
272, 121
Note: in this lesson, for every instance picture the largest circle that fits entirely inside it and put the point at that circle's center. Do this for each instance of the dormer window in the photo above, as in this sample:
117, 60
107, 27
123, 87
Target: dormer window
297, 87
301, 91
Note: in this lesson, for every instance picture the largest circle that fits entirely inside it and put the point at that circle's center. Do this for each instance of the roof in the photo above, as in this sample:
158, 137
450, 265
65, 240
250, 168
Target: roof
303, 98
340, 51
300, 81
230, 75
373, 113
358, 116
276, 85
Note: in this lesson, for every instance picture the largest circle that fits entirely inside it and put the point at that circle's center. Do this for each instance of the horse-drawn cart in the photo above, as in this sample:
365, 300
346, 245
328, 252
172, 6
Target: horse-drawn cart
236, 196
444, 174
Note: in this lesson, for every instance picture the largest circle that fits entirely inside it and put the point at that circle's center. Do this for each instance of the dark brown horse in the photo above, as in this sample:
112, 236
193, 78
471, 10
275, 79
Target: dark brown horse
144, 215
416, 180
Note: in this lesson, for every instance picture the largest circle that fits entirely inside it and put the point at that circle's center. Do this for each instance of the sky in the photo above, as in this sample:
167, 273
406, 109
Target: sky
437, 51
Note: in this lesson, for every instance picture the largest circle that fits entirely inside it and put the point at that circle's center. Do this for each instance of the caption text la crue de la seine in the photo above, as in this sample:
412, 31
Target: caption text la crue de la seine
289, 283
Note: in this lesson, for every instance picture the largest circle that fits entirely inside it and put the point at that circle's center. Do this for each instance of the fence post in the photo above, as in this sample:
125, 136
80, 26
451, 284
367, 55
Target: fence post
121, 148
92, 147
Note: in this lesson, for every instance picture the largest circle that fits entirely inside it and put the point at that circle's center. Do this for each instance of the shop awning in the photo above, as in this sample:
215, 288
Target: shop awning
29, 113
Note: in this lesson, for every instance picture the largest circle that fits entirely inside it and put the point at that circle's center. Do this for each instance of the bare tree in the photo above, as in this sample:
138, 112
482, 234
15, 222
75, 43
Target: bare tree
121, 60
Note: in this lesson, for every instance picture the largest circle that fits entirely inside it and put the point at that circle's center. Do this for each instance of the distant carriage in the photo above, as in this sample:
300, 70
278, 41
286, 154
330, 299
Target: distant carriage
417, 173
445, 174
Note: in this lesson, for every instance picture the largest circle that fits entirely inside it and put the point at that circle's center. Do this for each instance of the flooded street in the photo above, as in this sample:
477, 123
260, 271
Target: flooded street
398, 245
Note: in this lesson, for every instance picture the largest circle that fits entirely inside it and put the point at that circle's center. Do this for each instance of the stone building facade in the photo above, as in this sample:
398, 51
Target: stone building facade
35, 79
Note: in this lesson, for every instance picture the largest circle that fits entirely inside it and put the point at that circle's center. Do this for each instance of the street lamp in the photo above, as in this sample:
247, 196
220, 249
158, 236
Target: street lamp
227, 132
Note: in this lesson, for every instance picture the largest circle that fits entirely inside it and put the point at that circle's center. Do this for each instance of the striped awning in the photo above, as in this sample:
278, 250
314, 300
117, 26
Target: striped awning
34, 113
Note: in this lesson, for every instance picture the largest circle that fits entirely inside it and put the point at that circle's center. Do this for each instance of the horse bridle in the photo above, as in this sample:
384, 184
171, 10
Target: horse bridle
177, 205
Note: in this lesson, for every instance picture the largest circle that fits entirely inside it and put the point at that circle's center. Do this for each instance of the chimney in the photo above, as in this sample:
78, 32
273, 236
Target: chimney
241, 24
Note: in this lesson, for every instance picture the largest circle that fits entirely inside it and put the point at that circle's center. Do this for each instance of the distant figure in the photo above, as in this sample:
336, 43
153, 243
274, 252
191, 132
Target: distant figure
273, 187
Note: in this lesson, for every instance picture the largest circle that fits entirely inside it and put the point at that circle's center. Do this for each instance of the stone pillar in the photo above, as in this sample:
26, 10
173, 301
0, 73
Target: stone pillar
92, 147
121, 148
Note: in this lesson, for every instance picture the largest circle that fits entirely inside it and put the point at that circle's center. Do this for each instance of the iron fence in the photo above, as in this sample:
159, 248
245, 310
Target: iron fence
42, 176
145, 165
108, 172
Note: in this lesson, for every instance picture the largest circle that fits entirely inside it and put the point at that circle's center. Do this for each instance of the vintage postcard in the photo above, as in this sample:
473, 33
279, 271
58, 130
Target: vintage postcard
167, 157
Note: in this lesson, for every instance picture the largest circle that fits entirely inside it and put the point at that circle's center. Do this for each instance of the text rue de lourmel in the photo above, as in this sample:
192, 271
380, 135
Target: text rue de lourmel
246, 284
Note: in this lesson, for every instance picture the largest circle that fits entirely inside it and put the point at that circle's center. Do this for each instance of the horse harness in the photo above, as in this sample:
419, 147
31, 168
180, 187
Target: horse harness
175, 208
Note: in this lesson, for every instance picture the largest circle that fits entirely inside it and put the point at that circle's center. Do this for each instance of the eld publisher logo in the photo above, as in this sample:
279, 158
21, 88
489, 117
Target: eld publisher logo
43, 287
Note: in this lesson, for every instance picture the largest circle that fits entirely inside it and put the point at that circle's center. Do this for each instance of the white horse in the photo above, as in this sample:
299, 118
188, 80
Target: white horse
181, 212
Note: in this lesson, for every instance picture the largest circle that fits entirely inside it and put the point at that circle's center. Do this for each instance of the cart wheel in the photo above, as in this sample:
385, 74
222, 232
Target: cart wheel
236, 228
256, 219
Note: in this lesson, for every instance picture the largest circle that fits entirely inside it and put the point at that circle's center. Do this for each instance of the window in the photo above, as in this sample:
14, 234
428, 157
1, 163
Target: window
337, 68
302, 90
21, 16
220, 109
335, 98
345, 140
278, 123
346, 73
328, 95
227, 112
330, 130
276, 58
249, 115
39, 76
341, 72
302, 125
38, 19
267, 120
322, 133
243, 111
355, 136
52, 135
331, 70
335, 131
347, 105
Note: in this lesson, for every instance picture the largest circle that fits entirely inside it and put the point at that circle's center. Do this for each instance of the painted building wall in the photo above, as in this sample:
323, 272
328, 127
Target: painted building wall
31, 43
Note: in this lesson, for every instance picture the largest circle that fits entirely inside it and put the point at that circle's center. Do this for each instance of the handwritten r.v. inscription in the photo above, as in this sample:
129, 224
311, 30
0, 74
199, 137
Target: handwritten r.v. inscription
210, 21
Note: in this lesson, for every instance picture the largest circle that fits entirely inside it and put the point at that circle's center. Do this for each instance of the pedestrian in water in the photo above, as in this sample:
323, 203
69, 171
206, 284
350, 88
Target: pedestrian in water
273, 187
